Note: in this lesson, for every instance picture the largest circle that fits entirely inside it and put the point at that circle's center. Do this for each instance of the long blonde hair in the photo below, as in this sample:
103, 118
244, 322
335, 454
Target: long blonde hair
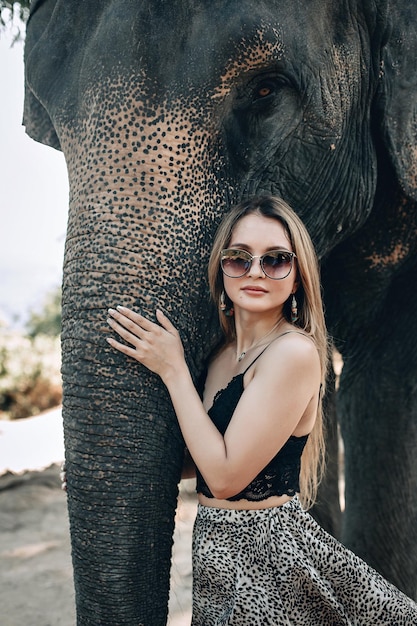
310, 312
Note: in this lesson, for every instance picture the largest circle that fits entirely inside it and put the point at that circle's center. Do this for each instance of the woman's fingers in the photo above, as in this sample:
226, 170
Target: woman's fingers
133, 325
131, 337
121, 347
129, 317
137, 324
156, 345
165, 322
130, 326
134, 329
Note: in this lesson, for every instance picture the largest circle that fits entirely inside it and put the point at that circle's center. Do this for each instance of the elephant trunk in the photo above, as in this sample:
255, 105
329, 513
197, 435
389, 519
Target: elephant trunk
135, 238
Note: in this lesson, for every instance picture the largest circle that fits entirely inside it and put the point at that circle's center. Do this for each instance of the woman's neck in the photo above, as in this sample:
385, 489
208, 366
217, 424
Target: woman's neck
252, 334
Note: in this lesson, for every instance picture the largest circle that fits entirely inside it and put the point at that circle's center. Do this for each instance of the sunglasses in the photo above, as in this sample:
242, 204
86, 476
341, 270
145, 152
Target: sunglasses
275, 264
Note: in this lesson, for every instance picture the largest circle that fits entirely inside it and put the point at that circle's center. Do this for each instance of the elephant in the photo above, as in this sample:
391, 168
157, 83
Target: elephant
167, 114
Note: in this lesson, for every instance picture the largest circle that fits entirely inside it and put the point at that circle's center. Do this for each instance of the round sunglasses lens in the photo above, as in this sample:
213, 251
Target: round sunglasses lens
277, 265
235, 264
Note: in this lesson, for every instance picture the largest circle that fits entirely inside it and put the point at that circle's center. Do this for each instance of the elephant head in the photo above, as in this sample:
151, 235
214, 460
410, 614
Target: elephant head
167, 113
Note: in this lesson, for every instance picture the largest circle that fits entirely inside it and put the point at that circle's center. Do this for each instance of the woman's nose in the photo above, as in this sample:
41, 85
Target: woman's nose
256, 268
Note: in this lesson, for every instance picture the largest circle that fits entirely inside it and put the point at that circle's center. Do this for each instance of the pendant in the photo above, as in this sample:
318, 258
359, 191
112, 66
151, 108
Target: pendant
241, 356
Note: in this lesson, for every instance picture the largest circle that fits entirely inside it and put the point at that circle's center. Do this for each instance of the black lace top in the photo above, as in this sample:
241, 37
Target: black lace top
281, 475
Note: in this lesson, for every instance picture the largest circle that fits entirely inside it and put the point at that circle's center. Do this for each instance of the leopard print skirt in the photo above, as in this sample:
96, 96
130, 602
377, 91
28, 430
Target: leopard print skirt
277, 567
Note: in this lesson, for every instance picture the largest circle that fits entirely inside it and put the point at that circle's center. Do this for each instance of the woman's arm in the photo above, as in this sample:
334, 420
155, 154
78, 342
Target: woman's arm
159, 348
268, 412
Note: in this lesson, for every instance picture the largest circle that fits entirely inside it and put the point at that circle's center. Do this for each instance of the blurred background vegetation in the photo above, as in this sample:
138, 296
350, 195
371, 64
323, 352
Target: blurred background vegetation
14, 11
30, 380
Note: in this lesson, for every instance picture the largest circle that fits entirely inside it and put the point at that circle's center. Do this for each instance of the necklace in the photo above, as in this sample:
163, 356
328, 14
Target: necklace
242, 355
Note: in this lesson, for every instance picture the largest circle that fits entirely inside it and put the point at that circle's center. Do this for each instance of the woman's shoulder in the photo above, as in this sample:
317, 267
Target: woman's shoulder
292, 348
297, 338
293, 332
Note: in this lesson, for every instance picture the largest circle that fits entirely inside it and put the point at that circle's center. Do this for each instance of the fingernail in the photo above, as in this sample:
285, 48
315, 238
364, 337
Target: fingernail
121, 308
111, 311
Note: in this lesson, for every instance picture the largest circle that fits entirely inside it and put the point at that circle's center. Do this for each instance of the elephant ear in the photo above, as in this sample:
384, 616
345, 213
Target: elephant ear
36, 120
397, 99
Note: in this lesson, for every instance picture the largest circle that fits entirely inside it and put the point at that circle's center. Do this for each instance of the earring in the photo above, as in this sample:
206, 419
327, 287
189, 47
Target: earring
222, 301
228, 311
294, 310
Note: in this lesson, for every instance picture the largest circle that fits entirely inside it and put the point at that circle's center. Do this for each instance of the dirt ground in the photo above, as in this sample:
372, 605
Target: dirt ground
35, 565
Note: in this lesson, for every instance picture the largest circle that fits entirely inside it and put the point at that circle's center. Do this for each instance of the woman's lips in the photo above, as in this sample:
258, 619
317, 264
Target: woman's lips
254, 290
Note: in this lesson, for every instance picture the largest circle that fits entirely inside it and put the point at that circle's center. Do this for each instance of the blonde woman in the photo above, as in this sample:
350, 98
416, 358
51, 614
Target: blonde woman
256, 437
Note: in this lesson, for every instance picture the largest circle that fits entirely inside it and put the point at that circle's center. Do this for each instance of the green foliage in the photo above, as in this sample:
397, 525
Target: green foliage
30, 380
48, 320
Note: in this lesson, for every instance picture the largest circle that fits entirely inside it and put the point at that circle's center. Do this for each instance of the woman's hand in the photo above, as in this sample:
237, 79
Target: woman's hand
157, 346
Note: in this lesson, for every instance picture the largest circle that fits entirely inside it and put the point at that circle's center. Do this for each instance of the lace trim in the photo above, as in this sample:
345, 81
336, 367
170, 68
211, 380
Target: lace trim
280, 476
220, 392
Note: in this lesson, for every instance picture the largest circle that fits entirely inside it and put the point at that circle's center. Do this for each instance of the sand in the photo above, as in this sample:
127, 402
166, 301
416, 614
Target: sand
36, 586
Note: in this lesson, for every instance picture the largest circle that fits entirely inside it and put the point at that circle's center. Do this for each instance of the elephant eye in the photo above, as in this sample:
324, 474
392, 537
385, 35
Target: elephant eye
264, 90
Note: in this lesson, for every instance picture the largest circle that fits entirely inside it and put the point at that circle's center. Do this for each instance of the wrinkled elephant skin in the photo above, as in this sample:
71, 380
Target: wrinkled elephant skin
167, 113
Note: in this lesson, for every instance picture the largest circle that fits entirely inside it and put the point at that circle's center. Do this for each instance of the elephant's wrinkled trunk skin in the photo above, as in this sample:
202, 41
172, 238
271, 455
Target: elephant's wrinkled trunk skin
142, 193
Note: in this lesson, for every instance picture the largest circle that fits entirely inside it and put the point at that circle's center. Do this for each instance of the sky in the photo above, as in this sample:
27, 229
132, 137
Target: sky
33, 201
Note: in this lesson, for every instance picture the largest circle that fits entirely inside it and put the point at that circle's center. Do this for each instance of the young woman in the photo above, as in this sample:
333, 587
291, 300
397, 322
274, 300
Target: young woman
256, 438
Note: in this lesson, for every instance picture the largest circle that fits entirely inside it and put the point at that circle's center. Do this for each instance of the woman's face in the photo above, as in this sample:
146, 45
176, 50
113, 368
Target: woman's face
255, 292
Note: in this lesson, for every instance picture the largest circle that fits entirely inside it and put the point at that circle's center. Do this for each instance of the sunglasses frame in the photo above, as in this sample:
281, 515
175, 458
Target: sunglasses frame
261, 257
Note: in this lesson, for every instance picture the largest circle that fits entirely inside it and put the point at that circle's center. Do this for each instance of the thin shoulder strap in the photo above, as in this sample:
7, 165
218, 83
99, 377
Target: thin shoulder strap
267, 346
